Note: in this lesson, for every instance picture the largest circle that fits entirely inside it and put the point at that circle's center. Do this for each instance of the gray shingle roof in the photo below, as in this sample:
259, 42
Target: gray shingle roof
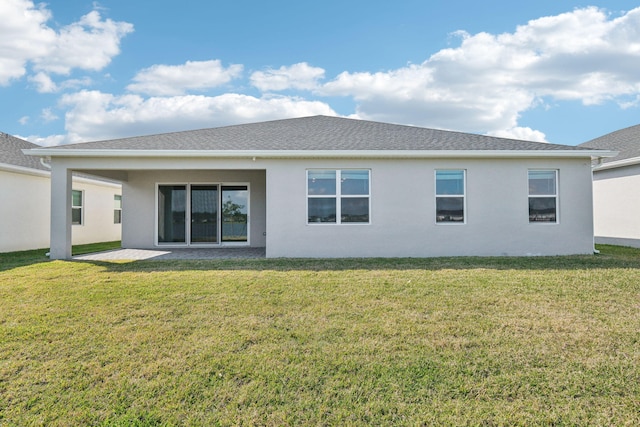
11, 152
626, 141
316, 133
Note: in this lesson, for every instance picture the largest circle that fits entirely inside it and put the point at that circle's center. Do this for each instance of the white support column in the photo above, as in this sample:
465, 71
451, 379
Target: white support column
60, 241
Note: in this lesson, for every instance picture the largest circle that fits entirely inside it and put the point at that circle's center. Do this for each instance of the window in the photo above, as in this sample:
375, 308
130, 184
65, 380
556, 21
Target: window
450, 194
76, 207
117, 209
338, 196
543, 196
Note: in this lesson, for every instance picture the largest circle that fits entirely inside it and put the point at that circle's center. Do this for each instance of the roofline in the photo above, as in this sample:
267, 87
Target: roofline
23, 170
47, 174
301, 154
618, 163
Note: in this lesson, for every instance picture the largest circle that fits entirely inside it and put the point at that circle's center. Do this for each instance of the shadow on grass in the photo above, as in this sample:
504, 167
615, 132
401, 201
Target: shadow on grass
11, 260
610, 257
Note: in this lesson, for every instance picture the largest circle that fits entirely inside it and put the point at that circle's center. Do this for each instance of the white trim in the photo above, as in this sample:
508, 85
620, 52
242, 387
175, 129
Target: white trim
96, 182
284, 154
556, 195
24, 170
47, 174
81, 207
338, 197
219, 243
235, 184
617, 164
464, 196
117, 209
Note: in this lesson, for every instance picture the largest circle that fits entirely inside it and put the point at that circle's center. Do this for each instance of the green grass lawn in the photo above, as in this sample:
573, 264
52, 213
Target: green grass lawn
444, 341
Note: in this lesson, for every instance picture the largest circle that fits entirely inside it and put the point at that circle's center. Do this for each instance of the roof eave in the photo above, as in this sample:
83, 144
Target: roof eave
23, 170
301, 154
618, 164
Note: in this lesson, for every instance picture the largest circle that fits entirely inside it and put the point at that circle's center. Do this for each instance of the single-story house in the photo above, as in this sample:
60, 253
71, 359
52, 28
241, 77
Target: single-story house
25, 211
336, 187
616, 184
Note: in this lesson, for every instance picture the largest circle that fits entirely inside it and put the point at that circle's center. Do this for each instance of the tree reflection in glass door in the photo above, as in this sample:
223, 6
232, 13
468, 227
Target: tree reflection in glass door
235, 200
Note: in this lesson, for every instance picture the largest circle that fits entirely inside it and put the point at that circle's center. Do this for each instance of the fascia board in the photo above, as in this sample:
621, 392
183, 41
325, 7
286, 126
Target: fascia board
618, 164
96, 181
302, 154
46, 174
23, 170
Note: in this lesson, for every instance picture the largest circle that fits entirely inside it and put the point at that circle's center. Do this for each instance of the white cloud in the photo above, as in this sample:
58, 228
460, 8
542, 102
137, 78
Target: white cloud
489, 80
297, 76
46, 141
48, 115
168, 80
482, 85
44, 83
88, 44
94, 115
524, 133
25, 38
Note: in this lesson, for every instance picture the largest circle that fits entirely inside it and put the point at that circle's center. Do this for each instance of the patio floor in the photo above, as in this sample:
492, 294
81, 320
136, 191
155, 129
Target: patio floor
173, 253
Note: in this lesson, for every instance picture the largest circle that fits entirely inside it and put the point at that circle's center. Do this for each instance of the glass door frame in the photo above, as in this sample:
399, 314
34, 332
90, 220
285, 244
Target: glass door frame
187, 231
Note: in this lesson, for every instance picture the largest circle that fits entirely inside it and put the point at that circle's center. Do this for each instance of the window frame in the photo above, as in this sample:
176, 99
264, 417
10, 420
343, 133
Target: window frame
188, 214
79, 207
556, 195
338, 196
117, 209
438, 196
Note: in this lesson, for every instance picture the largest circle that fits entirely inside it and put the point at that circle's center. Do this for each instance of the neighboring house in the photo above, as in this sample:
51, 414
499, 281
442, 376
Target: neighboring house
616, 184
25, 194
335, 187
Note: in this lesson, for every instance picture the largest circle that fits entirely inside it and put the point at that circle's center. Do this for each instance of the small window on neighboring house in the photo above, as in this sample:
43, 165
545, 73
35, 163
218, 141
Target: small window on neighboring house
338, 196
117, 209
450, 194
543, 196
76, 207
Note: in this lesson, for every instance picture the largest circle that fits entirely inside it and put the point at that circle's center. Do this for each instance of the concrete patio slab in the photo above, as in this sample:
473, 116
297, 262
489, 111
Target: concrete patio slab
173, 254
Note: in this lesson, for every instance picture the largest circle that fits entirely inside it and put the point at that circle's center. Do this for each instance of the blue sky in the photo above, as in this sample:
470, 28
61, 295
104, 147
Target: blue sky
557, 71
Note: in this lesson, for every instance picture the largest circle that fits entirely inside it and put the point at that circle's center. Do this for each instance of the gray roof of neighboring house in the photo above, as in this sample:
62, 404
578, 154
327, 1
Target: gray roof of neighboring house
317, 133
11, 153
625, 141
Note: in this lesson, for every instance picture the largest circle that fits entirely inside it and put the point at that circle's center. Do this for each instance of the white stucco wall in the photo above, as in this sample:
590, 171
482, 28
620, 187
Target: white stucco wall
403, 211
24, 211
139, 200
98, 225
402, 205
617, 205
26, 206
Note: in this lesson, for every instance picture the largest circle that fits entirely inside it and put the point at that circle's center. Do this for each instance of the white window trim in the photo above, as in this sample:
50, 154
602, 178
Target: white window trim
463, 195
556, 196
118, 209
187, 243
338, 196
81, 207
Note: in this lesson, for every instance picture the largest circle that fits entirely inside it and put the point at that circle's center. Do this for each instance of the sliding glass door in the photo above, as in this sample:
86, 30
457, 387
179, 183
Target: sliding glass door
201, 214
235, 202
204, 214
172, 200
